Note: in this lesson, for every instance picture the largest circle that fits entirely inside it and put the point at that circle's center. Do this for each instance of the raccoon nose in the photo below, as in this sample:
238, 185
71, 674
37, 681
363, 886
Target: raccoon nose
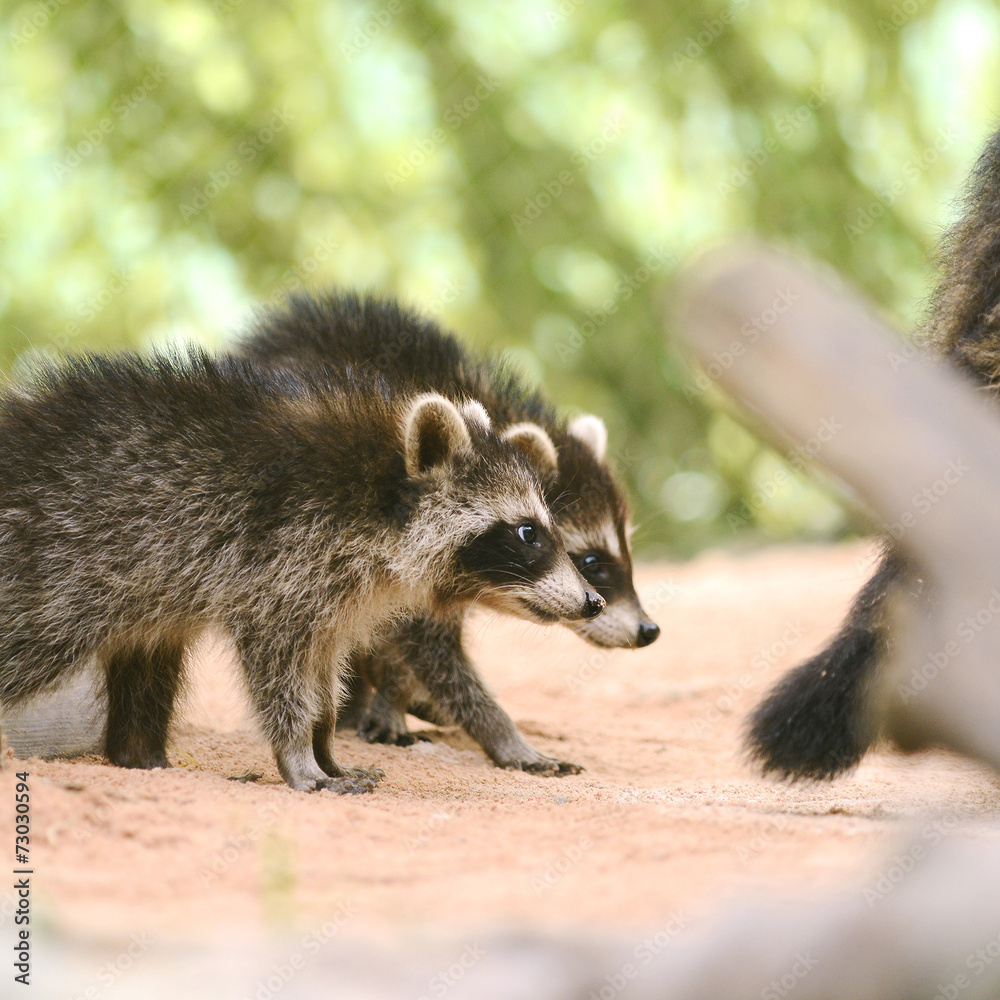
648, 633
593, 605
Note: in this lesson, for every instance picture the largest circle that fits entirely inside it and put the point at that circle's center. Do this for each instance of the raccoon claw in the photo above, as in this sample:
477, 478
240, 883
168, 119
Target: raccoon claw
354, 781
553, 768
547, 767
372, 774
344, 786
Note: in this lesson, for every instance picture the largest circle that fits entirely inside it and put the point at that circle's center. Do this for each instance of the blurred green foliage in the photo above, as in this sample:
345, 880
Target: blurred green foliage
532, 173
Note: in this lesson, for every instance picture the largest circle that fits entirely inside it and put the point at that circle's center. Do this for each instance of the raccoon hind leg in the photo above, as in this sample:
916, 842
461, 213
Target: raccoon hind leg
395, 686
142, 682
385, 721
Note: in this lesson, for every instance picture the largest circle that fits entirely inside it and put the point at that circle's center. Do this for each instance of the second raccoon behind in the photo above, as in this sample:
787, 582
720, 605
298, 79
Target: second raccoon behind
421, 666
143, 501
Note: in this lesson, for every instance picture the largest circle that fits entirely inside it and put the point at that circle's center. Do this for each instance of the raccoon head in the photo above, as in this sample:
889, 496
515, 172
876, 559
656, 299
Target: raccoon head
483, 514
592, 517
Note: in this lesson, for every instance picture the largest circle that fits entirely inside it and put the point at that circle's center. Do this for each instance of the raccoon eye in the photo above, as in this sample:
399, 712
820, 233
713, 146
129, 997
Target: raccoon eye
526, 532
593, 567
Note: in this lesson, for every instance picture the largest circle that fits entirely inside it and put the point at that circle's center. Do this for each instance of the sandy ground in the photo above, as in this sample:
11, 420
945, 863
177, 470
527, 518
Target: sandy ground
666, 823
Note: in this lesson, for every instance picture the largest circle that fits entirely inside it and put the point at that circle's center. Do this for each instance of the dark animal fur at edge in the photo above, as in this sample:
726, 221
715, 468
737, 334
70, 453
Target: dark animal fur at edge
816, 722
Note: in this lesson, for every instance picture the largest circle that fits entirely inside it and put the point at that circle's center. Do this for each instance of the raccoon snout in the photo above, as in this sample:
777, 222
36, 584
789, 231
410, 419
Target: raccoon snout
648, 632
593, 605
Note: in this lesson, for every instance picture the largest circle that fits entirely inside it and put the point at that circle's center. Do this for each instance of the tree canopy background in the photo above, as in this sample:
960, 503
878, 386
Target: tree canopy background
530, 172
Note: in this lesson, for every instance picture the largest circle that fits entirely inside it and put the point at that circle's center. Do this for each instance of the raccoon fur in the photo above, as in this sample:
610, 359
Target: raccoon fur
143, 501
817, 722
421, 666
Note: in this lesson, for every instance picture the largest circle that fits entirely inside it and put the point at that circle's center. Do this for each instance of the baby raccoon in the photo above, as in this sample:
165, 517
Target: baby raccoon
145, 500
421, 665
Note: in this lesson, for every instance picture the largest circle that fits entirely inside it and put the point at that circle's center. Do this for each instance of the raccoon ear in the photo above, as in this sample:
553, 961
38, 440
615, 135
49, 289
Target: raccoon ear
535, 444
592, 432
434, 433
475, 413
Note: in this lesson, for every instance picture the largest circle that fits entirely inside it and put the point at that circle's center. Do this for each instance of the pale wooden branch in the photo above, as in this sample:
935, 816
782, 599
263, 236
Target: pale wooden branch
806, 354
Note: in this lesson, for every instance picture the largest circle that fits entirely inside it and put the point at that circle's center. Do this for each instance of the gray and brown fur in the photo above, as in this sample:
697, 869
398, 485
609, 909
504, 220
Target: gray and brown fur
143, 501
422, 667
817, 721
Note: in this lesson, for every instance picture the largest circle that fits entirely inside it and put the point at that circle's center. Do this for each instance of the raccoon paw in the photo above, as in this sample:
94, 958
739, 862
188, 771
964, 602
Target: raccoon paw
142, 759
354, 781
407, 739
546, 767
376, 730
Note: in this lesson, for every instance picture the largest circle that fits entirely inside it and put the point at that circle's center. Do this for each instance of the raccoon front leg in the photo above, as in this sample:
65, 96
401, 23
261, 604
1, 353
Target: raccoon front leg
395, 688
395, 692
433, 649
379, 689
141, 684
324, 731
296, 713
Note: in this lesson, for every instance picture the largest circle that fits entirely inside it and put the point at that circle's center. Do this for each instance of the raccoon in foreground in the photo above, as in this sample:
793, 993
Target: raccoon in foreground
143, 501
817, 721
421, 666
